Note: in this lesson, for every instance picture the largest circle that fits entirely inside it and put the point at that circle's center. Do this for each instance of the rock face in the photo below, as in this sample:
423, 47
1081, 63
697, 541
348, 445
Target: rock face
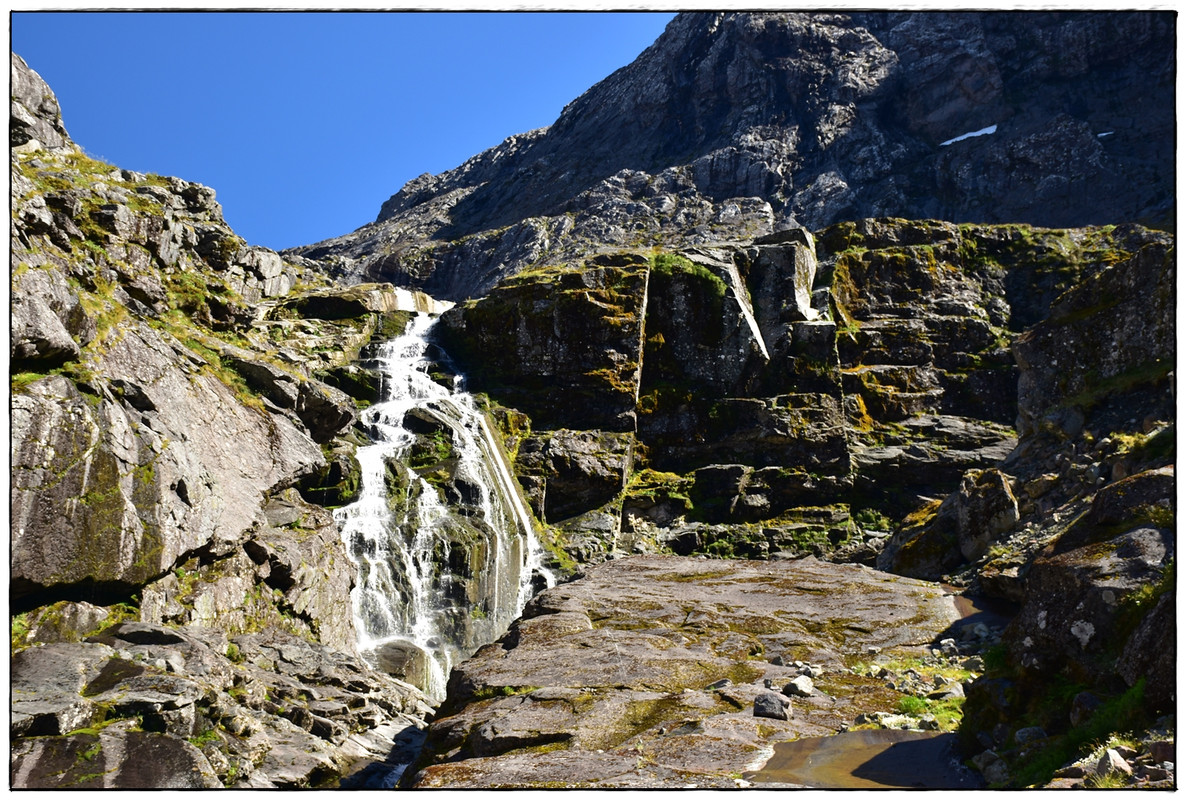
648, 672
735, 125
146, 706
1075, 525
171, 444
36, 119
690, 388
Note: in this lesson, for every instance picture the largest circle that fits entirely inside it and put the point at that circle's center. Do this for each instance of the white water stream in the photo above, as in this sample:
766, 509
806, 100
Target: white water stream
436, 576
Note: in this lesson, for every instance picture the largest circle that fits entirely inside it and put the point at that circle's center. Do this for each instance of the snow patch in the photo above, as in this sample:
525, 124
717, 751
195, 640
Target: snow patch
1105, 133
969, 135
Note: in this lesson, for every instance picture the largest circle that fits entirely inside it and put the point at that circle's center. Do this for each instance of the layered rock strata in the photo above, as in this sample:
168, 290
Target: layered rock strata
686, 391
875, 428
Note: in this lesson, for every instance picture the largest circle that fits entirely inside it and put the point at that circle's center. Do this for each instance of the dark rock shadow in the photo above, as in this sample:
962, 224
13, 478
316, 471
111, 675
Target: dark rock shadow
930, 763
386, 774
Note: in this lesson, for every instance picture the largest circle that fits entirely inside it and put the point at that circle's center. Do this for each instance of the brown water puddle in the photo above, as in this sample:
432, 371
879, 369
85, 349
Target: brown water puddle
869, 759
992, 612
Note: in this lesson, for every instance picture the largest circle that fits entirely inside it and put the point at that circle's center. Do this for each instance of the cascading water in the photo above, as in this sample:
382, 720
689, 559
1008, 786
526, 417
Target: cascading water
446, 558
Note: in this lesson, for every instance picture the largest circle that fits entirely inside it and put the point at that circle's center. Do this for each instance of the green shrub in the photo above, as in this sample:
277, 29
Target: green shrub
909, 704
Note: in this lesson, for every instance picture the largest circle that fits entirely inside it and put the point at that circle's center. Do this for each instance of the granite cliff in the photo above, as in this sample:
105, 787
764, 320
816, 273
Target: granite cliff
786, 370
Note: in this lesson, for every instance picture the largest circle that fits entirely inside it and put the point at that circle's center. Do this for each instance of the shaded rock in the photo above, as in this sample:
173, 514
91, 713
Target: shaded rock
359, 300
1150, 653
948, 692
114, 759
1067, 611
1027, 735
580, 469
992, 766
1122, 358
772, 706
1083, 705
986, 509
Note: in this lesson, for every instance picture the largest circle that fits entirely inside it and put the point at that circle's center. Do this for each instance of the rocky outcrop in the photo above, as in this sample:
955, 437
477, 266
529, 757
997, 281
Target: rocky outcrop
1093, 406
676, 365
880, 395
875, 426
36, 119
652, 671
169, 430
735, 125
1075, 525
142, 705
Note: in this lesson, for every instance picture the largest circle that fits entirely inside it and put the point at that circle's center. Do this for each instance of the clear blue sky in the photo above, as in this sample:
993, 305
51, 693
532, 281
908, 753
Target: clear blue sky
304, 123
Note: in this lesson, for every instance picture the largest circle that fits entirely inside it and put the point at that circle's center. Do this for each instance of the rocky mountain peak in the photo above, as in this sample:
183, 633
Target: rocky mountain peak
733, 125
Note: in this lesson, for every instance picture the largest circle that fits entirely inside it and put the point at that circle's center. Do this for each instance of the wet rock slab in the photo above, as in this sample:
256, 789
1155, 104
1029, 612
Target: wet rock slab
645, 672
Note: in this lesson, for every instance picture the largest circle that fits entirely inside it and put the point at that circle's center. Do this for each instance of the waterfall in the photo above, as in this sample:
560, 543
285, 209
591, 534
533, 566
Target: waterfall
445, 550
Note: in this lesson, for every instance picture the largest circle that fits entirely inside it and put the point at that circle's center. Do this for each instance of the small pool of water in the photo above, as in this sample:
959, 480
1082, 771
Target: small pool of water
994, 613
871, 759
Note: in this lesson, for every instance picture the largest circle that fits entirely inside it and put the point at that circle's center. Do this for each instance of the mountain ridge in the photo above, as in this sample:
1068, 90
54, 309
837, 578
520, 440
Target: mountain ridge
739, 124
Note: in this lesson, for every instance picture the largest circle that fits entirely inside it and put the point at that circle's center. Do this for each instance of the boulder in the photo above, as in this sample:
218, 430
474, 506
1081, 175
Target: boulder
1112, 762
801, 686
986, 509
404, 660
772, 706
64, 622
1072, 600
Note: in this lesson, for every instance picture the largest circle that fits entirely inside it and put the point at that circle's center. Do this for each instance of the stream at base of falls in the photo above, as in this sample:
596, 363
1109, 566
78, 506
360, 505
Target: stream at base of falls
447, 554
